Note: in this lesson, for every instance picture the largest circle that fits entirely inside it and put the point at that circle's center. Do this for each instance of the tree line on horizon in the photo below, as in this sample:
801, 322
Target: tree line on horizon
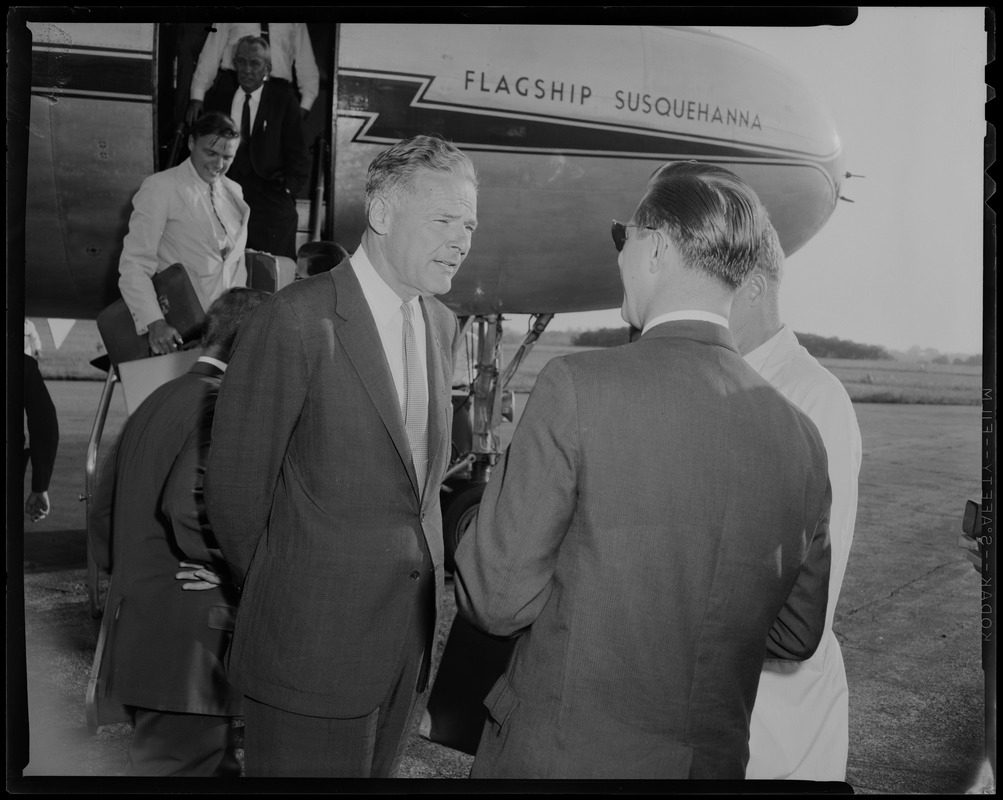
818, 346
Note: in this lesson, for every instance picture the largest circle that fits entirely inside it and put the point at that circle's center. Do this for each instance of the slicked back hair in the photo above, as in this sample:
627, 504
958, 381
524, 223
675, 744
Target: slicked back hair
215, 123
771, 256
226, 314
715, 219
393, 172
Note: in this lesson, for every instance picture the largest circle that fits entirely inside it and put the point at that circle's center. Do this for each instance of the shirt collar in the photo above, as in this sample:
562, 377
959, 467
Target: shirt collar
214, 361
757, 358
383, 300
706, 316
255, 95
200, 183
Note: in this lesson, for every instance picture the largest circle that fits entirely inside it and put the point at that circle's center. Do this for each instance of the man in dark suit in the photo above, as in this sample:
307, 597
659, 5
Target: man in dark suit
330, 442
658, 525
272, 165
161, 652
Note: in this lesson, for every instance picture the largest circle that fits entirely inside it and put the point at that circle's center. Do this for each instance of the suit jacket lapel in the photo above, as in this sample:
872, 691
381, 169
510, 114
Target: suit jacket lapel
361, 340
264, 109
197, 205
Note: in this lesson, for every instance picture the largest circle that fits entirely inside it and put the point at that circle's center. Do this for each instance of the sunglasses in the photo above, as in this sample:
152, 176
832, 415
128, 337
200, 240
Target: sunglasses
619, 231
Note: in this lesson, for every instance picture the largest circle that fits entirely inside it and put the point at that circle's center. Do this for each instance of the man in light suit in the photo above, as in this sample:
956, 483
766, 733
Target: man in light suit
323, 480
658, 525
800, 723
161, 652
272, 164
190, 214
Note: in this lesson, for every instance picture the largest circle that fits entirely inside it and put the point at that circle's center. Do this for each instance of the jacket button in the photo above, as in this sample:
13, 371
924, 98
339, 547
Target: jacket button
415, 575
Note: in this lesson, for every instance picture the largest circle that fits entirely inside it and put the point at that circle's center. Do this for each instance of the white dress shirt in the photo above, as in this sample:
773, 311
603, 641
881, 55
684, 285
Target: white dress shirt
237, 108
800, 722
289, 43
385, 305
705, 316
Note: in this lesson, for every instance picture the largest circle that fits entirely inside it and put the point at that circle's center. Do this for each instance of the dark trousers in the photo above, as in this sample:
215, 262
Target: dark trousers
273, 223
166, 744
280, 743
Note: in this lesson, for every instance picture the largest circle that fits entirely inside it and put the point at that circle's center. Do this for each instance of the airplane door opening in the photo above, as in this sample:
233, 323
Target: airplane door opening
178, 47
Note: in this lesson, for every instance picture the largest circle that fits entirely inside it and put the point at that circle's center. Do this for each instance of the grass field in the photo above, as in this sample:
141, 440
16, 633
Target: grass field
865, 381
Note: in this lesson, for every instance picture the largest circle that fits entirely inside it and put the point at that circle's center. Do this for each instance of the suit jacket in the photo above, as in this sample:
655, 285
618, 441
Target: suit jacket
313, 497
171, 223
277, 149
657, 527
42, 441
163, 646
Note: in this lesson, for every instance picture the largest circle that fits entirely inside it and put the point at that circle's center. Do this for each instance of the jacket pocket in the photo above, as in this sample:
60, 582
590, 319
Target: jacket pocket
501, 701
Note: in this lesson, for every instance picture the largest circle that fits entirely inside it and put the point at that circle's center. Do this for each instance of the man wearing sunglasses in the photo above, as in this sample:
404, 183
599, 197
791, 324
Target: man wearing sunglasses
659, 524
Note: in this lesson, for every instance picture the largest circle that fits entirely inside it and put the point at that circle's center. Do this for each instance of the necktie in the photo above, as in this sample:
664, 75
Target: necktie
415, 399
224, 244
264, 30
245, 119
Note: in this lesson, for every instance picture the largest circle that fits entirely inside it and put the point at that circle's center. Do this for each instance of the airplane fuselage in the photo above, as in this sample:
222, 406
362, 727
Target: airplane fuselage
564, 124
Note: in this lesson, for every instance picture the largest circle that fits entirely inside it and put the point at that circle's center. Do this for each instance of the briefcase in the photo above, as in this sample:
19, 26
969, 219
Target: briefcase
267, 272
179, 304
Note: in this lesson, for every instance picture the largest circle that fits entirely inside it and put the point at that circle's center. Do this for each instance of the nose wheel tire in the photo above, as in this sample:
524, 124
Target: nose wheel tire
458, 516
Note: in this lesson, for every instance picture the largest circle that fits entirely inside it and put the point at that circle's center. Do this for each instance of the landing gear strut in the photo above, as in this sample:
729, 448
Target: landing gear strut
478, 413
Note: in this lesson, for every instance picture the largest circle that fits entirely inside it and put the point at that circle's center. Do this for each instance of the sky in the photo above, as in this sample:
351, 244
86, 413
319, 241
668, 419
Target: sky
902, 264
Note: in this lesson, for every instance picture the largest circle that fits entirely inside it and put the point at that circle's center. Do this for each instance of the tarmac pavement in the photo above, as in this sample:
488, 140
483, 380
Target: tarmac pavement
908, 623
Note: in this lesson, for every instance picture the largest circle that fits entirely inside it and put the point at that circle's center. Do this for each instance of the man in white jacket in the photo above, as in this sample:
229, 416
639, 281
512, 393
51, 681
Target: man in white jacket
800, 721
190, 214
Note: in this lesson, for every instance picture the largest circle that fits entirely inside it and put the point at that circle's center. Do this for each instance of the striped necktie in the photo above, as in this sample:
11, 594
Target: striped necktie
224, 240
415, 400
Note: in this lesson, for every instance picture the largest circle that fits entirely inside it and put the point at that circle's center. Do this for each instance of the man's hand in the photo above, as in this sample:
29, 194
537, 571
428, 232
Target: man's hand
193, 112
199, 576
164, 338
37, 506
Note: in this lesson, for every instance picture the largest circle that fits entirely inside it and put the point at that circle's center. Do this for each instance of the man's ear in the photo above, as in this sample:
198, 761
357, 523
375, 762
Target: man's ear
659, 249
757, 288
663, 251
380, 215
